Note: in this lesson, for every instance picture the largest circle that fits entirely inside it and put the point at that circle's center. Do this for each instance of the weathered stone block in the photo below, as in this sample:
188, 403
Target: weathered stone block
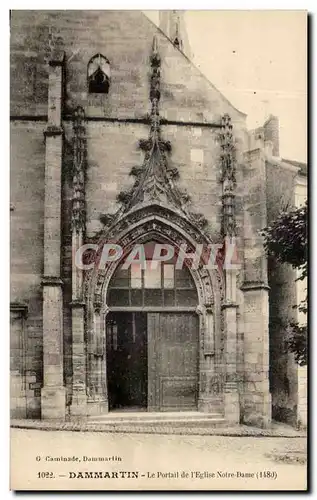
53, 403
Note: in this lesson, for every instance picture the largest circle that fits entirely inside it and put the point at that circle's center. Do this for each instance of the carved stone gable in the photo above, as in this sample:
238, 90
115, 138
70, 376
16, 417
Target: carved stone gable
155, 180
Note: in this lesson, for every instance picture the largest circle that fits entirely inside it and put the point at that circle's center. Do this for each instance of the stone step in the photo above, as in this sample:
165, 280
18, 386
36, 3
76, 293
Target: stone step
157, 422
221, 422
160, 428
123, 416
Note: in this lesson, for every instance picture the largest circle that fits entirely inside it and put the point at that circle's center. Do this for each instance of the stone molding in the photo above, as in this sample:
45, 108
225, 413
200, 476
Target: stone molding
254, 285
19, 307
52, 281
53, 131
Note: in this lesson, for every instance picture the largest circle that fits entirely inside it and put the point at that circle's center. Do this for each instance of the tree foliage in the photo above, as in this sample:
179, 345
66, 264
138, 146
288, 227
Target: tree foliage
296, 341
286, 240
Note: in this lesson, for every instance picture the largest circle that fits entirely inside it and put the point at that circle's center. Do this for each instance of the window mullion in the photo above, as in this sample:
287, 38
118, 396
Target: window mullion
142, 286
162, 282
174, 285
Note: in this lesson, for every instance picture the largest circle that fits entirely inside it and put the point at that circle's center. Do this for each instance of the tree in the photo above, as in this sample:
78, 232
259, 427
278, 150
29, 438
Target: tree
286, 241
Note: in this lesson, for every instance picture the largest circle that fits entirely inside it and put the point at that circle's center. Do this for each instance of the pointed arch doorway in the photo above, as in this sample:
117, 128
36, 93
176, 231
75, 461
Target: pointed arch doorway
152, 333
157, 223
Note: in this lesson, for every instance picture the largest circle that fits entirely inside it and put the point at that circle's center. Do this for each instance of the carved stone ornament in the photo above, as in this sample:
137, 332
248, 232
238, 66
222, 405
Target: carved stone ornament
160, 223
155, 205
153, 210
79, 171
155, 179
228, 178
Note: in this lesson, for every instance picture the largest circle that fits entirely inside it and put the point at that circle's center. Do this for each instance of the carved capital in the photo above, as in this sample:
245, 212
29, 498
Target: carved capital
105, 309
200, 310
57, 57
97, 307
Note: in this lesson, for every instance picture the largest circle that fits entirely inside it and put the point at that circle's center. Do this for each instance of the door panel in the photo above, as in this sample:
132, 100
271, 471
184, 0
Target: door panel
173, 361
127, 359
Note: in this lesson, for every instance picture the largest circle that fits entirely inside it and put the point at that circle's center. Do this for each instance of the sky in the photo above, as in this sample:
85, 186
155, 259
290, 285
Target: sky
258, 60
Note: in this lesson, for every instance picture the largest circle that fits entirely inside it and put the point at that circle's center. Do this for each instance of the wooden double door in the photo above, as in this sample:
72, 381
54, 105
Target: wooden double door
152, 360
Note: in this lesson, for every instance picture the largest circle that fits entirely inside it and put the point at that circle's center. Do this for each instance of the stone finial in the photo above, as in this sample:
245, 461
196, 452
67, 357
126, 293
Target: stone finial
155, 179
228, 177
154, 45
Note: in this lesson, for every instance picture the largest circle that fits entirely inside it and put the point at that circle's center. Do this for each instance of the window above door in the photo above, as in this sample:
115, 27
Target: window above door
153, 283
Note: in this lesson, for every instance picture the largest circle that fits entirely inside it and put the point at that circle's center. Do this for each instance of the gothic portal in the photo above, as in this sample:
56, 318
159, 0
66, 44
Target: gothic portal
139, 148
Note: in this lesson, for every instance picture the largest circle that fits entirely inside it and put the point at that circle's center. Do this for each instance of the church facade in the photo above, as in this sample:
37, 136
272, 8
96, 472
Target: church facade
118, 139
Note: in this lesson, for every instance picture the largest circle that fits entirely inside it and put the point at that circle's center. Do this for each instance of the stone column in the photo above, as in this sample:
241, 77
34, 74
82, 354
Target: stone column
257, 397
257, 408
229, 231
97, 356
53, 397
78, 408
231, 393
208, 383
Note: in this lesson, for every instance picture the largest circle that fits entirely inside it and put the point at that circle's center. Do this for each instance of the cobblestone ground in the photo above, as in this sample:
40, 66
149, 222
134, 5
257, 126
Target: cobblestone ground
158, 460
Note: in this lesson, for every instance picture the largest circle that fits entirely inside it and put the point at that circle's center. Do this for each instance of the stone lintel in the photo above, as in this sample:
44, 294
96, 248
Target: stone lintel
52, 281
254, 285
53, 131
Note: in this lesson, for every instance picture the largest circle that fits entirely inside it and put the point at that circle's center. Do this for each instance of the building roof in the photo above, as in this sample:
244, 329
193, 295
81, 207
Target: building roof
302, 166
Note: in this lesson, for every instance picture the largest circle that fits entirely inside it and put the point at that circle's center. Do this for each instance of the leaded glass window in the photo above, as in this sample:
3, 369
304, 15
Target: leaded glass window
155, 283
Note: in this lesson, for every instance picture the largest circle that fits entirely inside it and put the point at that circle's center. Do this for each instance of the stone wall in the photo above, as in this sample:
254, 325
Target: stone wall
26, 244
115, 124
125, 38
113, 151
283, 369
256, 398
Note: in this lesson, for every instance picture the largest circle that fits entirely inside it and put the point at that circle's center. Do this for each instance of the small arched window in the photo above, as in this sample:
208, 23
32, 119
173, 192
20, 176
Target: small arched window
98, 75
